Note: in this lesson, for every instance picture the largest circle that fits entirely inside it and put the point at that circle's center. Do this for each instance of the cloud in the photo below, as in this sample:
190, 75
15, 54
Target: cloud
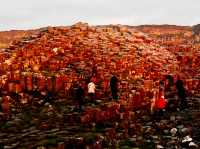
25, 14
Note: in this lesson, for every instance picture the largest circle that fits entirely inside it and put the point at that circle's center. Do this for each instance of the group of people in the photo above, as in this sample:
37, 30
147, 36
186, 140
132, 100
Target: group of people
167, 90
174, 93
80, 92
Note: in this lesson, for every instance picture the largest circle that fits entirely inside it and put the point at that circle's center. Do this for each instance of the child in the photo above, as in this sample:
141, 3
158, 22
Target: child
91, 91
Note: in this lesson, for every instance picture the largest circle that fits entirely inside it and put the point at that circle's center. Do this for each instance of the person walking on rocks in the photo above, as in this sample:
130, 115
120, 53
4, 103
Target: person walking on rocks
91, 91
114, 87
181, 94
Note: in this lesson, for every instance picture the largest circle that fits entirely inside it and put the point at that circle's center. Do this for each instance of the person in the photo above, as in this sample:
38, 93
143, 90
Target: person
181, 94
114, 87
158, 104
80, 96
161, 85
35, 92
48, 97
169, 83
169, 94
161, 103
91, 91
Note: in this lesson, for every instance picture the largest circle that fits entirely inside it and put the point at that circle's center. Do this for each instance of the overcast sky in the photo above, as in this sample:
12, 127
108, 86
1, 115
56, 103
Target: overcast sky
27, 14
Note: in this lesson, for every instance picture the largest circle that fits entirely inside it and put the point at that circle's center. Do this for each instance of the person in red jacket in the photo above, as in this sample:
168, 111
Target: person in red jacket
160, 101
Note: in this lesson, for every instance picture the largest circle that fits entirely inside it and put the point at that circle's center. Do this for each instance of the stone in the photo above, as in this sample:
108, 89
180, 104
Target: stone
187, 139
192, 144
172, 118
159, 147
173, 131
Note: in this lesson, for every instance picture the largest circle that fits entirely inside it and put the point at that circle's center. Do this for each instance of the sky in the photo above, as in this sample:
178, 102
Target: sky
31, 14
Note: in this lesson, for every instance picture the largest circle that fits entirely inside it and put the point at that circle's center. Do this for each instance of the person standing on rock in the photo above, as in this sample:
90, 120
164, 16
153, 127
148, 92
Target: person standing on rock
161, 101
181, 94
114, 87
91, 91
48, 97
170, 92
80, 96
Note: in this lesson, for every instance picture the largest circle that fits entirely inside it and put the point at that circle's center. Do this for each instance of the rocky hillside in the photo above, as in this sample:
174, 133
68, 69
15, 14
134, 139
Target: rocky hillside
147, 51
74, 52
54, 59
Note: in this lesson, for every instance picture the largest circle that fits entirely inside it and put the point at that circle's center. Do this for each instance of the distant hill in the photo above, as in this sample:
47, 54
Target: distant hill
7, 37
164, 29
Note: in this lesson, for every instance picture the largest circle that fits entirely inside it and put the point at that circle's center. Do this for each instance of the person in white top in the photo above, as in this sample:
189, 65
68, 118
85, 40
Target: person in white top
91, 91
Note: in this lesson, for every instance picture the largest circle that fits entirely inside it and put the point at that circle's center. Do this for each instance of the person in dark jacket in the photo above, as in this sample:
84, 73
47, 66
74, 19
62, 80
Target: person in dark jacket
170, 92
114, 87
48, 97
80, 96
36, 93
181, 94
169, 83
161, 85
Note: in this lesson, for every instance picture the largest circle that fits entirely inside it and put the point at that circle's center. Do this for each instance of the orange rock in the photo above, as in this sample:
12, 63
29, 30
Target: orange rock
6, 106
